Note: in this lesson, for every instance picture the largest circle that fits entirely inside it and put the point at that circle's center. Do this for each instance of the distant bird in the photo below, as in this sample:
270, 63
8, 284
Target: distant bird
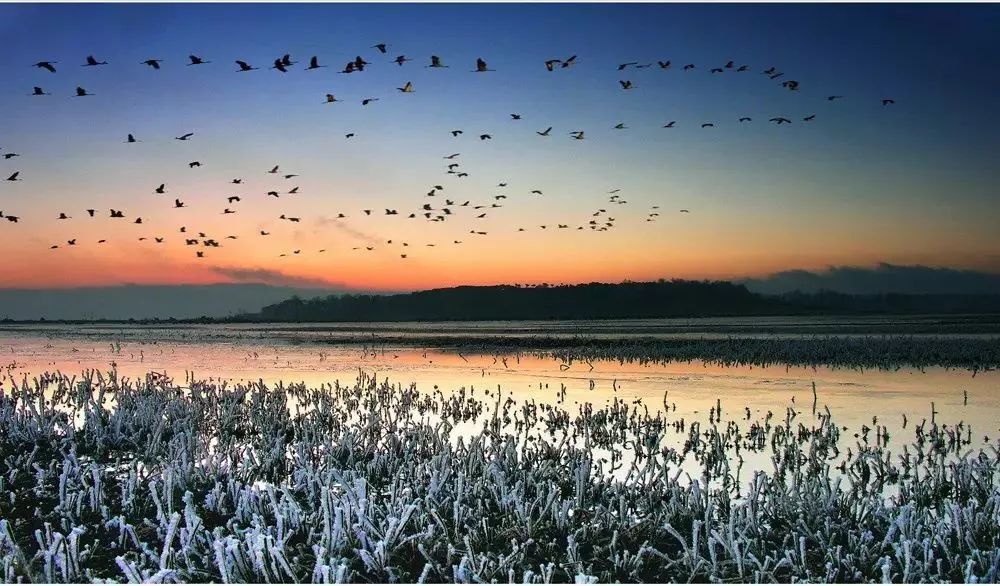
194, 164
263, 233
92, 62
406, 89
779, 120
274, 171
91, 213
452, 156
280, 66
8, 156
716, 70
456, 132
708, 125
745, 119
791, 84
80, 92
138, 221
367, 101
624, 65
196, 60
550, 64
436, 62
228, 211
233, 198
331, 99
515, 116
832, 98
117, 214
809, 118
131, 139
485, 137
742, 68
14, 177
481, 66
381, 47
577, 135
286, 60
568, 62
314, 63
626, 84
178, 203
184, 136
663, 64
887, 101
200, 254
154, 63
37, 91
63, 216
46, 65
244, 66
544, 132
349, 135
237, 181
161, 189
273, 194
670, 124
401, 59
536, 192
620, 126
685, 211
293, 190
689, 66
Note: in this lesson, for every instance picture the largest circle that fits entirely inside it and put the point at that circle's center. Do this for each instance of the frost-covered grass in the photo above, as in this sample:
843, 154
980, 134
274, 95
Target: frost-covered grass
105, 479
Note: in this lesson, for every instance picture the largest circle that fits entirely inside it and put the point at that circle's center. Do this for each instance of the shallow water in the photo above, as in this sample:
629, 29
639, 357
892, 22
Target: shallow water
230, 353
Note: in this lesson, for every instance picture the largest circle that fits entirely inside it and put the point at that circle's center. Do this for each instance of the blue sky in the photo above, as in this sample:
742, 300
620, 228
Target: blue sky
912, 183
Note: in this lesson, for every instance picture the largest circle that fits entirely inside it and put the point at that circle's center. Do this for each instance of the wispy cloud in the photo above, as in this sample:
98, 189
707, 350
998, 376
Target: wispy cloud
273, 277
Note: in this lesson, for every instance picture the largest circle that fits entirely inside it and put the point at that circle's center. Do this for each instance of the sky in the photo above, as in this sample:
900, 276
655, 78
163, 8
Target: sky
912, 183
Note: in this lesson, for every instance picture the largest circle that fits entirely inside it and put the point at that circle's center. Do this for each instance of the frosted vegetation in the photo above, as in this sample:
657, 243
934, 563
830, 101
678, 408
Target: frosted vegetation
104, 479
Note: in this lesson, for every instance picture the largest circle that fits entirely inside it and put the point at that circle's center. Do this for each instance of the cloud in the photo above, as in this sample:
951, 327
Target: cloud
883, 278
324, 221
272, 277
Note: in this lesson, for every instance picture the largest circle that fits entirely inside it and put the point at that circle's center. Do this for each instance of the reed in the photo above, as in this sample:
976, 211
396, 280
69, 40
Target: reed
109, 479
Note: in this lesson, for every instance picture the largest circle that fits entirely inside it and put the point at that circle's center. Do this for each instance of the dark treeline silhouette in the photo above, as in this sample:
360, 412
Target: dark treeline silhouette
660, 299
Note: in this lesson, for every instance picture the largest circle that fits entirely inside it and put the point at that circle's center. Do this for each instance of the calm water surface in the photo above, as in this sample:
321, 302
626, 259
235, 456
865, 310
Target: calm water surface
244, 353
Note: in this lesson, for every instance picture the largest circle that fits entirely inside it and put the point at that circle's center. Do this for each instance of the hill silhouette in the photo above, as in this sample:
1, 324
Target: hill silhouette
659, 299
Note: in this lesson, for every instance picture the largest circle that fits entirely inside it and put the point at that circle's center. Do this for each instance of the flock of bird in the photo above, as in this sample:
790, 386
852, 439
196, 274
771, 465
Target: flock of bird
600, 219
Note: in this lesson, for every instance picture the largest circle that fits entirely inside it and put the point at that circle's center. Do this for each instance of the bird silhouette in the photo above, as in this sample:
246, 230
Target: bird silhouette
331, 99
481, 66
161, 189
887, 101
154, 63
194, 164
280, 66
406, 89
184, 136
401, 59
367, 101
544, 132
832, 98
196, 60
37, 91
436, 62
381, 47
626, 84
244, 66
80, 92
92, 62
809, 118
780, 120
314, 63
670, 124
48, 65
14, 176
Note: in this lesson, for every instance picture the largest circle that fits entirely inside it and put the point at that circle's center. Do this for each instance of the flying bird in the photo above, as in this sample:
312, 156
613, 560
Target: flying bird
196, 60
37, 91
184, 136
436, 62
154, 63
887, 101
92, 62
244, 66
381, 47
481, 66
544, 132
626, 84
80, 92
406, 89
401, 59
46, 65
314, 63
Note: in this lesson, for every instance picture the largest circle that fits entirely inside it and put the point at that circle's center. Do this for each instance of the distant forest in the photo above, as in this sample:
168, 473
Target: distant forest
659, 299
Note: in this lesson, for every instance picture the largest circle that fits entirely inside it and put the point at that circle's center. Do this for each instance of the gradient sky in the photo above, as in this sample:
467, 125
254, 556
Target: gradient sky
912, 183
